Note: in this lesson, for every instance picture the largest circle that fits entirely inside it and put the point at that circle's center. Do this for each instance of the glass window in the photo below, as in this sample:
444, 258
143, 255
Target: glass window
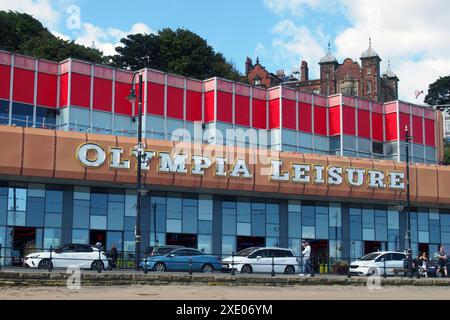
17, 199
349, 142
130, 224
130, 203
116, 212
114, 238
53, 220
355, 224
205, 244
205, 227
81, 210
335, 214
98, 222
368, 218
393, 218
36, 212
190, 220
160, 217
99, 204
258, 220
294, 244
272, 213
305, 140
54, 201
308, 232
369, 234
243, 211
294, 206
272, 230
435, 231
228, 221
356, 249
116, 196
205, 207
308, 215
424, 237
228, 245
423, 221
52, 237
321, 226
3, 210
272, 242
320, 143
16, 218
294, 224
36, 190
244, 229
82, 193
445, 223
174, 206
173, 226
80, 236
335, 143
380, 225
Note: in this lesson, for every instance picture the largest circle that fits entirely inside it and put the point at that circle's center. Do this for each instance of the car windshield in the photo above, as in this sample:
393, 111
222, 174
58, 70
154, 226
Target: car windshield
163, 251
245, 252
370, 256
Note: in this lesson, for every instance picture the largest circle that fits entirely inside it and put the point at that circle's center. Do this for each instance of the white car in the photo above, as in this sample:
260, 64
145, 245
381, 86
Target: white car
259, 260
81, 255
376, 262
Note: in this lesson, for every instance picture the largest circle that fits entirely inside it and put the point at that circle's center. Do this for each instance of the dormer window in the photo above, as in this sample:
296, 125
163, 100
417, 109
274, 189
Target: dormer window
257, 81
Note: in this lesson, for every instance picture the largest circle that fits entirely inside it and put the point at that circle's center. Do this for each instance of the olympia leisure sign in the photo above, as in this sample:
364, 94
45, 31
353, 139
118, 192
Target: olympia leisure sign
91, 155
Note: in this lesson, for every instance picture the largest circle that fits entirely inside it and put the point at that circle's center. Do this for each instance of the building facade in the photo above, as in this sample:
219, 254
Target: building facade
349, 78
229, 165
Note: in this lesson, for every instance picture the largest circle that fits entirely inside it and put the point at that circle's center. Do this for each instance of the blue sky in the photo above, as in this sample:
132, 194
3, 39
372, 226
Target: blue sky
409, 33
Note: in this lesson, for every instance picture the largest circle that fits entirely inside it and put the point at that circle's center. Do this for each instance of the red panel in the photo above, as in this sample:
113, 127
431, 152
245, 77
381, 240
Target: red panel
349, 121
259, 114
80, 91
364, 124
404, 121
175, 97
417, 131
430, 133
377, 126
47, 90
391, 127
121, 103
5, 79
63, 90
274, 113
155, 99
224, 107
102, 94
242, 110
305, 117
209, 106
335, 121
193, 106
289, 121
320, 120
23, 86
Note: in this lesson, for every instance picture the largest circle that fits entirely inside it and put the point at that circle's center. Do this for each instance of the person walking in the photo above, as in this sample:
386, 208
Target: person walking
306, 259
442, 260
113, 255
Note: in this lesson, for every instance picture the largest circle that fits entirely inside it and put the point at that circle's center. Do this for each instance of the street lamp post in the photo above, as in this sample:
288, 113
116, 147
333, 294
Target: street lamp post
408, 138
140, 149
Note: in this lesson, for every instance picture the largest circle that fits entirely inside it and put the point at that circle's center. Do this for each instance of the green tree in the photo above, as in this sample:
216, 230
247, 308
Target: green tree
21, 33
439, 93
447, 154
181, 51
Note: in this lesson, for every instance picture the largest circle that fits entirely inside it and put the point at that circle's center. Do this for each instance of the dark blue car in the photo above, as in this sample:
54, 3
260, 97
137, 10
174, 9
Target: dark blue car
180, 260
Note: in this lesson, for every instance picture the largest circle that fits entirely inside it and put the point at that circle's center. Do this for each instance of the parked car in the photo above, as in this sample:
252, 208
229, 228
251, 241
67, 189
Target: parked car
259, 260
161, 250
82, 255
16, 258
375, 263
433, 267
178, 259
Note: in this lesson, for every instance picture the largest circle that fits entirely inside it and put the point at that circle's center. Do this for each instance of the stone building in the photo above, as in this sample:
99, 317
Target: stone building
351, 78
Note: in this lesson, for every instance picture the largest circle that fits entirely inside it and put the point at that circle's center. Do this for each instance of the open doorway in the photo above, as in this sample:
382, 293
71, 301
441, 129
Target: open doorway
425, 248
24, 243
248, 242
319, 255
180, 239
373, 246
97, 236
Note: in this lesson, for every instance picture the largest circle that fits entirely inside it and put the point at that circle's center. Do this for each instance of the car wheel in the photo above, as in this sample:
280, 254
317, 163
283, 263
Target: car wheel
247, 269
289, 270
207, 268
96, 264
160, 267
45, 264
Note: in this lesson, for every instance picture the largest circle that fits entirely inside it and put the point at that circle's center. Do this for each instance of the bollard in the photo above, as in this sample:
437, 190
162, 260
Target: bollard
50, 266
312, 268
190, 265
273, 267
1, 256
99, 260
384, 267
145, 265
232, 264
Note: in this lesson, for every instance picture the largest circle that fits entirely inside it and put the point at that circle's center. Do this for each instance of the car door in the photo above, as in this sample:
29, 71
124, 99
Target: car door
198, 259
84, 256
397, 262
63, 256
264, 261
178, 260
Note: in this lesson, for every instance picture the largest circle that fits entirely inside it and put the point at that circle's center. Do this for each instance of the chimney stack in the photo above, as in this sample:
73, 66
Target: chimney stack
280, 73
304, 71
248, 65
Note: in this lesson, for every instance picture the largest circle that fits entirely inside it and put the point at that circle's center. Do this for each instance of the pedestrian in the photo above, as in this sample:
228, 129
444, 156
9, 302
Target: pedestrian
442, 260
306, 259
423, 268
113, 255
98, 245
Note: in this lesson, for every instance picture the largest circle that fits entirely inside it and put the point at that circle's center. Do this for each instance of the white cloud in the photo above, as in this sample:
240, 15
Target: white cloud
411, 34
108, 39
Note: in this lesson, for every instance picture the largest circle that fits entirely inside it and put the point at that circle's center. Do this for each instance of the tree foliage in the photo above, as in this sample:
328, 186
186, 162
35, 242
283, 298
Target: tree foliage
447, 154
439, 93
181, 51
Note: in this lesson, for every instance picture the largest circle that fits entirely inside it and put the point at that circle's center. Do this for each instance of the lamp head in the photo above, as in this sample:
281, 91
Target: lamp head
132, 96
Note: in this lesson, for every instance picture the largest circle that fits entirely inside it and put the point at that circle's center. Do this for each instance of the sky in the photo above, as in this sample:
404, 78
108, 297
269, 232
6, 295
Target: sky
412, 35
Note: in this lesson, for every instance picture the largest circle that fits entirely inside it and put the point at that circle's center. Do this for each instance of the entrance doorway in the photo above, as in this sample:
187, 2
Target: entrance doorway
23, 243
319, 255
373, 246
180, 239
248, 242
424, 247
97, 236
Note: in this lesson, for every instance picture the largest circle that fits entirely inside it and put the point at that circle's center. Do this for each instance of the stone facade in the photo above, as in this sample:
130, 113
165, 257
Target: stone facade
351, 78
